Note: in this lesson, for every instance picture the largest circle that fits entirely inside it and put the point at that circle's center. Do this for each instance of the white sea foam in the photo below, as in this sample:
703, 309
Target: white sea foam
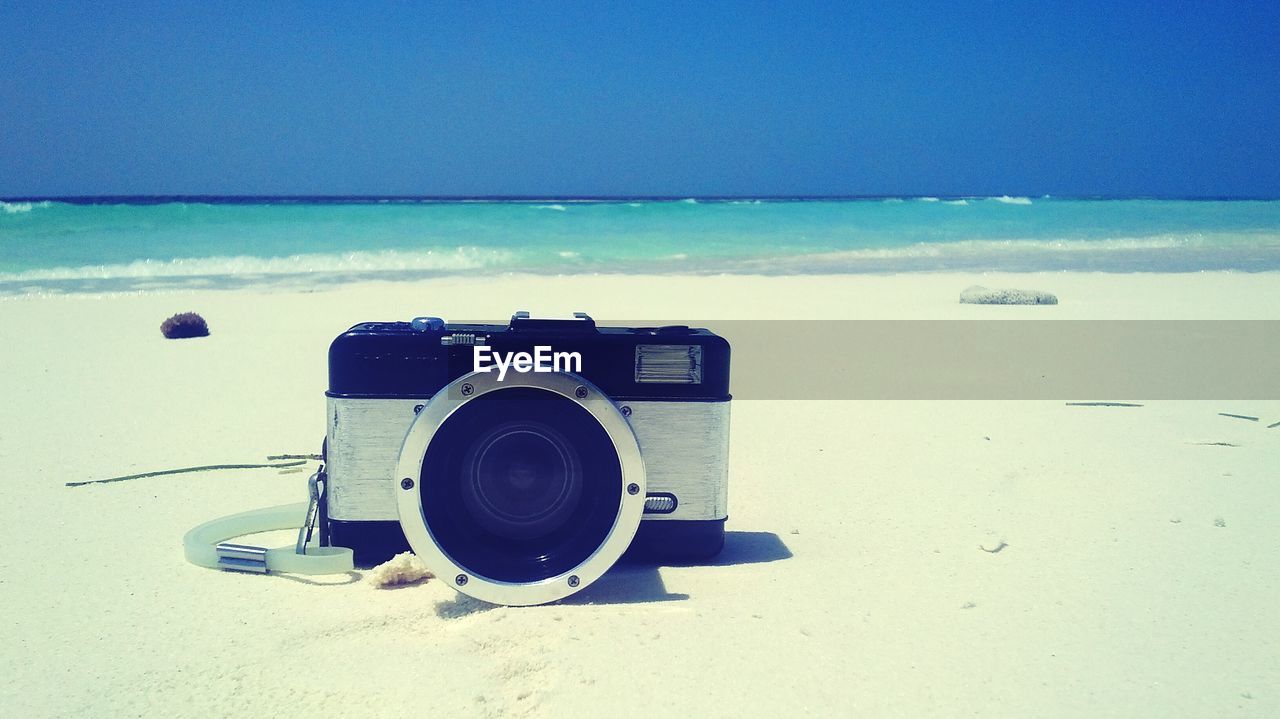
893, 201
568, 254
15, 208
1013, 200
958, 203
433, 260
557, 208
689, 201
927, 199
980, 248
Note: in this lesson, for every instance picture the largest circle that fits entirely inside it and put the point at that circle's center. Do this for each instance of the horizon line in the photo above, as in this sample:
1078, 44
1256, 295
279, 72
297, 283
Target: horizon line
143, 199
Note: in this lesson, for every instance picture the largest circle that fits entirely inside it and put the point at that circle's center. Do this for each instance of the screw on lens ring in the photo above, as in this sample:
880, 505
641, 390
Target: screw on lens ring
417, 408
460, 580
574, 581
633, 488
406, 483
580, 392
467, 389
626, 411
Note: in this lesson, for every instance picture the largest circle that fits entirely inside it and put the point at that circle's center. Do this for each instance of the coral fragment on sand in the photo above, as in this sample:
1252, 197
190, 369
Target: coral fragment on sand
404, 568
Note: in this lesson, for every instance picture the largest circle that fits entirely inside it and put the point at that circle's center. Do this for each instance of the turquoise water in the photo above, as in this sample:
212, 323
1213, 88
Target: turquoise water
59, 246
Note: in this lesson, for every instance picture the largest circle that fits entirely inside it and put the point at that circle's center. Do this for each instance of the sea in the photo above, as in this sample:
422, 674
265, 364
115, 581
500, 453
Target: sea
114, 244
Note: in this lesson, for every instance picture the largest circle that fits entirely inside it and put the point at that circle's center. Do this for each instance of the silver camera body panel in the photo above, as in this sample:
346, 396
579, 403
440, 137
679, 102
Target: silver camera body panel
684, 446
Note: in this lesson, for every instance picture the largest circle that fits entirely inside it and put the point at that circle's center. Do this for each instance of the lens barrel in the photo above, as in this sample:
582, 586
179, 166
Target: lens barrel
520, 486
521, 480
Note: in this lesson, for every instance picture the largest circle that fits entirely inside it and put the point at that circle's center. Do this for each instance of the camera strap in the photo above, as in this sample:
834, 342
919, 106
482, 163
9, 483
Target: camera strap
208, 545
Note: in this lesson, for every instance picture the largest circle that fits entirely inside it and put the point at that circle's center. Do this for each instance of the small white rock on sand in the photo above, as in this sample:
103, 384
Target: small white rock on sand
979, 295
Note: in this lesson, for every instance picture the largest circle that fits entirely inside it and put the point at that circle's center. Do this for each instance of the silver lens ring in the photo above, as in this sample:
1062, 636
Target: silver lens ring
409, 499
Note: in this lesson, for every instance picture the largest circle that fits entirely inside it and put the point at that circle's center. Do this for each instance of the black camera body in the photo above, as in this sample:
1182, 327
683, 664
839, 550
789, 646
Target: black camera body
499, 438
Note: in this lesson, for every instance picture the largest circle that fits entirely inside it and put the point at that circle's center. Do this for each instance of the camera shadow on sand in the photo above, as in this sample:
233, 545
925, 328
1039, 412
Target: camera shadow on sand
750, 548
639, 582
624, 583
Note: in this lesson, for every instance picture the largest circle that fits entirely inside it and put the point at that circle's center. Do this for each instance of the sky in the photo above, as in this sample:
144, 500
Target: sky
635, 98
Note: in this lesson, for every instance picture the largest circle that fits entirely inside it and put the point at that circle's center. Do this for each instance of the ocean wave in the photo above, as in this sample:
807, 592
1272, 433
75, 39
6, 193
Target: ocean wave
1012, 200
958, 203
1157, 242
689, 201
927, 199
435, 260
557, 208
988, 248
16, 208
1156, 253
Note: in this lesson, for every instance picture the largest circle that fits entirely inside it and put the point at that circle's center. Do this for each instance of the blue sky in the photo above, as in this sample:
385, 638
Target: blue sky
600, 98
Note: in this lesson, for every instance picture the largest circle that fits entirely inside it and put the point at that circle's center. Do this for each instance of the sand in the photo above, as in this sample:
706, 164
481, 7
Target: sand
1136, 571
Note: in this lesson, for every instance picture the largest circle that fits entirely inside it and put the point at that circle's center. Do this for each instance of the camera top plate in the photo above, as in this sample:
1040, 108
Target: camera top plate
416, 359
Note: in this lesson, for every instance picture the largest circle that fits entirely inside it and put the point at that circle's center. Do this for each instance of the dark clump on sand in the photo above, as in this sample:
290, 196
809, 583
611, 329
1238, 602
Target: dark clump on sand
184, 325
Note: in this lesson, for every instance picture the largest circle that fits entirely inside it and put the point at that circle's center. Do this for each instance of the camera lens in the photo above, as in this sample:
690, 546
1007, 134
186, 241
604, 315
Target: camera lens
523, 480
520, 485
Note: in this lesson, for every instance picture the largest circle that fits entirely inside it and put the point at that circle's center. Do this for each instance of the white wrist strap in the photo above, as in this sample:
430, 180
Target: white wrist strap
207, 544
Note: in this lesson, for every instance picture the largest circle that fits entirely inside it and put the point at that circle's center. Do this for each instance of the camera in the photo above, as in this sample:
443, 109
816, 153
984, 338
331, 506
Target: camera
521, 461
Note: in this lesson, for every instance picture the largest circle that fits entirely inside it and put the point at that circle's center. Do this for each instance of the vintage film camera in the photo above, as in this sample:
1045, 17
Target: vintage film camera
525, 481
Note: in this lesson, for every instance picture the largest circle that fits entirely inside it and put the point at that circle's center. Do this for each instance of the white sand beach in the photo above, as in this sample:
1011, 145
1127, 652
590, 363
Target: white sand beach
1136, 572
